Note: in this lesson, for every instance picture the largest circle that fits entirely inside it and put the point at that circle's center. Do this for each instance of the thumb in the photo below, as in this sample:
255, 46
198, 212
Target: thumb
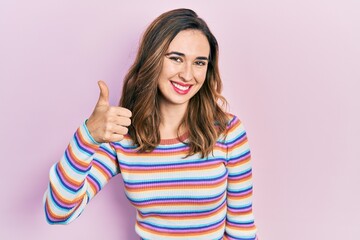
104, 94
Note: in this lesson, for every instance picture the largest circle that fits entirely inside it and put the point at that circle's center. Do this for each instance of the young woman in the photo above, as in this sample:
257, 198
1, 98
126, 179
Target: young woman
185, 162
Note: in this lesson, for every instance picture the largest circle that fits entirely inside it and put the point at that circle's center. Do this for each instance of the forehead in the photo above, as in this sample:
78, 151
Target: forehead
190, 42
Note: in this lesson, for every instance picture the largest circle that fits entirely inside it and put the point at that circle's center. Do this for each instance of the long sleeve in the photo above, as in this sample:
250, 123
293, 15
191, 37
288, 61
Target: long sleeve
82, 172
239, 219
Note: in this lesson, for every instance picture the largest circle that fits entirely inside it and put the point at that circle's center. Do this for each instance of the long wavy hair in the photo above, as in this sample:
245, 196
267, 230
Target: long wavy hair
205, 118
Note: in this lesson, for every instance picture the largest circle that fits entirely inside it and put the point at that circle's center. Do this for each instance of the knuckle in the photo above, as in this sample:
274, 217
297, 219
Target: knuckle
125, 112
126, 122
129, 122
123, 130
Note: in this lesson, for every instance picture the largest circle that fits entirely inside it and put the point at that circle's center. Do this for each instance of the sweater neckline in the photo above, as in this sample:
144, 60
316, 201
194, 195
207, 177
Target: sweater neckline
170, 141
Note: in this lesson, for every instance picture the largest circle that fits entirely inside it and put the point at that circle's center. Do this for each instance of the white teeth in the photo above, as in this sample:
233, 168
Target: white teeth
183, 88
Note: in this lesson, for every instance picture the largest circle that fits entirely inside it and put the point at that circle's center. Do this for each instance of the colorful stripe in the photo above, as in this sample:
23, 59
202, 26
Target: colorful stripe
175, 197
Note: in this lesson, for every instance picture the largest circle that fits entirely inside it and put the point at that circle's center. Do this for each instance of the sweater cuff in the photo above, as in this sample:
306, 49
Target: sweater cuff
87, 138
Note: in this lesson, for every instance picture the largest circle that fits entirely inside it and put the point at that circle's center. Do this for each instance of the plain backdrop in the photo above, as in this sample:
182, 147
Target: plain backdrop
291, 72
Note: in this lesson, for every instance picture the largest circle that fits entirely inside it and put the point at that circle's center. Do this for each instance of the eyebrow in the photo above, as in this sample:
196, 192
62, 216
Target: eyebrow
183, 55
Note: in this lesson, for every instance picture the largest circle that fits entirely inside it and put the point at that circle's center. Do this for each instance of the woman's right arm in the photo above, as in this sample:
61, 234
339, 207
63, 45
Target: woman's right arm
84, 169
88, 163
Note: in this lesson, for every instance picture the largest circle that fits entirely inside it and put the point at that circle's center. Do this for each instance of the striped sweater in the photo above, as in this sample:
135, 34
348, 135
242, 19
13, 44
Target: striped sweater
175, 197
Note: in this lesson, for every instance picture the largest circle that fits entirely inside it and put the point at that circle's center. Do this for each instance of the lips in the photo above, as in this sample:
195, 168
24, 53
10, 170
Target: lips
181, 88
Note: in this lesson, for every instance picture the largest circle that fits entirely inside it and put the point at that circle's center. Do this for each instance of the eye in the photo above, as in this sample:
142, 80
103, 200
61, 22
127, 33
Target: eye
176, 59
200, 63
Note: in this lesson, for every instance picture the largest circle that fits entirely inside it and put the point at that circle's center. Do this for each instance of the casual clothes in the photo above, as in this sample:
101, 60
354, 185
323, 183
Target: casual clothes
175, 197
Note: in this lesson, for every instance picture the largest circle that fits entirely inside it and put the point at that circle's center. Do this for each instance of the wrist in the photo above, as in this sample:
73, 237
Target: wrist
90, 130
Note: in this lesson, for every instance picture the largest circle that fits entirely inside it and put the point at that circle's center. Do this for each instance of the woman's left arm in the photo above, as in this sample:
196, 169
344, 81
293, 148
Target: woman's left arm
239, 219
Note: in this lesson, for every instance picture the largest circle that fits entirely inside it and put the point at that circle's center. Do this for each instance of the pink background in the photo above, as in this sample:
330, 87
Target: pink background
291, 72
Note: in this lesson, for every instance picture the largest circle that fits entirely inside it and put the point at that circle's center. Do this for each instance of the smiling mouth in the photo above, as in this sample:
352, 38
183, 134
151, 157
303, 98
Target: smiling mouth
181, 87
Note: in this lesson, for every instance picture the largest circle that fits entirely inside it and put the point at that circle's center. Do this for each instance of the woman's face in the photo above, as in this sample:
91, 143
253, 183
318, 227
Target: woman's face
184, 68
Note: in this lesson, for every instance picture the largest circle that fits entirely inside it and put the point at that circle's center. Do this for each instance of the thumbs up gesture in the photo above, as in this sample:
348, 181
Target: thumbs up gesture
108, 123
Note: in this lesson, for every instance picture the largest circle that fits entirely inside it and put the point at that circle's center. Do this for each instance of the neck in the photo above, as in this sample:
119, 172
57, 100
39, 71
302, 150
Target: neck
171, 118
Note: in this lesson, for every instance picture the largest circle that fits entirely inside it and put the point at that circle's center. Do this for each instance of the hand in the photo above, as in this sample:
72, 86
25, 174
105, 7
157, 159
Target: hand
108, 123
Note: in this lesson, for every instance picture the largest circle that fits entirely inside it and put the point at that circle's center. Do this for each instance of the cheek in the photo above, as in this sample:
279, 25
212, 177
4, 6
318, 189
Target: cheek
169, 69
200, 76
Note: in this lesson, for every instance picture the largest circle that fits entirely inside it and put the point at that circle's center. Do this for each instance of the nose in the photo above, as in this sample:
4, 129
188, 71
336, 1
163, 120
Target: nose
186, 73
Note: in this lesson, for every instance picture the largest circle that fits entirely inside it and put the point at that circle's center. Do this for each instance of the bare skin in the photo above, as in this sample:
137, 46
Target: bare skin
185, 64
108, 123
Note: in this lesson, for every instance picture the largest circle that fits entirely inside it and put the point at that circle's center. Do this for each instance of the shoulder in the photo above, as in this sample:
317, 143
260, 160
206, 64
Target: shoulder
235, 128
233, 121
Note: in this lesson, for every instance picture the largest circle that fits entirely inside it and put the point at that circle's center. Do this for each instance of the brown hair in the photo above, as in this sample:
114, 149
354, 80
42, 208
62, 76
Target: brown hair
205, 118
